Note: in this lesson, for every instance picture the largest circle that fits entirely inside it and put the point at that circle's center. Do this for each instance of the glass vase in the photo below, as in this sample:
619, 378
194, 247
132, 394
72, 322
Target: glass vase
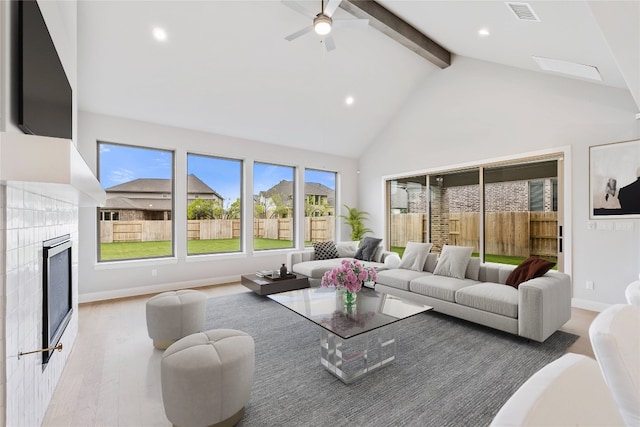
349, 298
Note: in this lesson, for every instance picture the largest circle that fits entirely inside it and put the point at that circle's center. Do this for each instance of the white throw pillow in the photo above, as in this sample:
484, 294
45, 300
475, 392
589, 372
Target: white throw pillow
415, 254
347, 249
392, 261
453, 261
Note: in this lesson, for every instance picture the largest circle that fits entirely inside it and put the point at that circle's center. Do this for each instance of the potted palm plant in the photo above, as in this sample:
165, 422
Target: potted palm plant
355, 219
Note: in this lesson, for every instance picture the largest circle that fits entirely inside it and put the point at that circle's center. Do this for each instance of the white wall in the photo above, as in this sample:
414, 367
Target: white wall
475, 111
116, 279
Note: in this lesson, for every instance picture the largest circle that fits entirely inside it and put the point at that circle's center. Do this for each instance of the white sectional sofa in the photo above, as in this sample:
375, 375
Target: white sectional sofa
535, 310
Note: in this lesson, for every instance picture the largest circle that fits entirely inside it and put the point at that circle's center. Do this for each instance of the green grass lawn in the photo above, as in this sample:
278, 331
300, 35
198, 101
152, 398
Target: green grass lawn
133, 250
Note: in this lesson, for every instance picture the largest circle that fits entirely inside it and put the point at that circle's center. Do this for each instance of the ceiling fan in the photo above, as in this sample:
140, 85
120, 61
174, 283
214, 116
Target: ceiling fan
323, 22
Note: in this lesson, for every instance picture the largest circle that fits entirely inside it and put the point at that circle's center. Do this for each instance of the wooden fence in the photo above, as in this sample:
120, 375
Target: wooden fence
316, 229
506, 233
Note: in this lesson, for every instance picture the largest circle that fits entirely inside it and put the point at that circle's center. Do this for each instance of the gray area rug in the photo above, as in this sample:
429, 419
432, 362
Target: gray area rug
447, 372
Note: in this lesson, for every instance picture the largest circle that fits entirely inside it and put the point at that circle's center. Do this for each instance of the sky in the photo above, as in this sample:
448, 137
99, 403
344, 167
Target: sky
120, 164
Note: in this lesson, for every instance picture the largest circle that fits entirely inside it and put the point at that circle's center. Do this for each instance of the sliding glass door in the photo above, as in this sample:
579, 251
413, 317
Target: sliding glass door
506, 212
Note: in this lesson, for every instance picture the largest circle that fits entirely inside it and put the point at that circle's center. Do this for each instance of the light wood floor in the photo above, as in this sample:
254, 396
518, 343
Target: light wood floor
112, 377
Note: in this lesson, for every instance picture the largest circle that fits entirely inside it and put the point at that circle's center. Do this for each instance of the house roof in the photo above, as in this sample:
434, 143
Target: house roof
159, 185
310, 189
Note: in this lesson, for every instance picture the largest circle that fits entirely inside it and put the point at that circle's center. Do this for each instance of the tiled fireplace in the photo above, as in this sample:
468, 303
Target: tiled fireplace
27, 218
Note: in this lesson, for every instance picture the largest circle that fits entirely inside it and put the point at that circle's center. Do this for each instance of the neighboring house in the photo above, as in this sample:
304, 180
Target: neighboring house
150, 199
319, 199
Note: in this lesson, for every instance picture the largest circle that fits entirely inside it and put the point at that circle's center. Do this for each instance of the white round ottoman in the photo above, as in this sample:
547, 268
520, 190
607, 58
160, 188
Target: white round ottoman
175, 314
207, 378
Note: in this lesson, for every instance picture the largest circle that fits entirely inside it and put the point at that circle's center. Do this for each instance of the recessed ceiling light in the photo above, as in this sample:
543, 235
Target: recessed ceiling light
483, 32
570, 68
349, 100
160, 34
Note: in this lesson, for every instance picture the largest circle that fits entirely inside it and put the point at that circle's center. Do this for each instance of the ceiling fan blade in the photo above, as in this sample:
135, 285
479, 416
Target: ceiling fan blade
294, 5
350, 23
331, 7
329, 44
299, 33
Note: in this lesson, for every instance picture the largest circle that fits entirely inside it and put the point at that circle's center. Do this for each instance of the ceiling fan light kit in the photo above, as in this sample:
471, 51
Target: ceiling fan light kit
322, 24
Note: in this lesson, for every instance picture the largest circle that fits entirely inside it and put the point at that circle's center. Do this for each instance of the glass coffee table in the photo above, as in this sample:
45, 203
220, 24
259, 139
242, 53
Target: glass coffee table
354, 340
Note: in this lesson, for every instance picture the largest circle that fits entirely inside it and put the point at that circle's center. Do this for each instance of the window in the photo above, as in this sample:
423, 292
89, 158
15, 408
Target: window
109, 216
319, 206
536, 196
136, 221
273, 206
214, 205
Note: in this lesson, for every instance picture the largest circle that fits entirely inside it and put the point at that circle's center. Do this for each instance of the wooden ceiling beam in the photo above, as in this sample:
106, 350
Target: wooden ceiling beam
399, 30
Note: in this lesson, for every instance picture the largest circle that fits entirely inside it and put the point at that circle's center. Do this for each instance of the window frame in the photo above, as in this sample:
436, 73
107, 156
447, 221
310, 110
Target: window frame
171, 218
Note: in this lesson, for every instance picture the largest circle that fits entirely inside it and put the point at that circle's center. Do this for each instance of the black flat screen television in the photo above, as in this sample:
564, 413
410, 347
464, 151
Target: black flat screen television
44, 92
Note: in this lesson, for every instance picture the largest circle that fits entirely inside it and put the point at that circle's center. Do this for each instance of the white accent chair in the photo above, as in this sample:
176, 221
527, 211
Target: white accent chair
632, 293
615, 338
207, 378
569, 391
175, 314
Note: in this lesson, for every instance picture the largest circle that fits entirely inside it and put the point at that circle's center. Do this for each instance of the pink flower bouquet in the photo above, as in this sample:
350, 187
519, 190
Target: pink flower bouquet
350, 276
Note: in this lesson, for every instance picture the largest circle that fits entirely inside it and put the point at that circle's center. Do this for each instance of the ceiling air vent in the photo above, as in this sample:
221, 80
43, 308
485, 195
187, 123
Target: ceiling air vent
523, 11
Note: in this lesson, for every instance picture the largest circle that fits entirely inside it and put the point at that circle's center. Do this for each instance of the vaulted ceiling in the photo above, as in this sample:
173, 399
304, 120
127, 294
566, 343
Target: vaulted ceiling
226, 67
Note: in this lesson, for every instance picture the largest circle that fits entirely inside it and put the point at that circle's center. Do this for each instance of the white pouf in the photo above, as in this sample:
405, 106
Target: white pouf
174, 315
207, 378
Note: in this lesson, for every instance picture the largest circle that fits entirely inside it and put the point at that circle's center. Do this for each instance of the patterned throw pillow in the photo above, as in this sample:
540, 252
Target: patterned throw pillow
325, 250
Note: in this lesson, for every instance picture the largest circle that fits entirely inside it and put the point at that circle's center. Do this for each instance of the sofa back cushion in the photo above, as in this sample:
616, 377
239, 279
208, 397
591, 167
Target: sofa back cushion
347, 249
431, 262
473, 269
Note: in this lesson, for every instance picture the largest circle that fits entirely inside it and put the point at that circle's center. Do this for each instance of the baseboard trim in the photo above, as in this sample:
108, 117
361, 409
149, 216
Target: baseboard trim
586, 304
153, 289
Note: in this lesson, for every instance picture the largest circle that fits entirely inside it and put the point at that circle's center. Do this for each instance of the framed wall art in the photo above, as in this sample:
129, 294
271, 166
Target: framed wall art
614, 180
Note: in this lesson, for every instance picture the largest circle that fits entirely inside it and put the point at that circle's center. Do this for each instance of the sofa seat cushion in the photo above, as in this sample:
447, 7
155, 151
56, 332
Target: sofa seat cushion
399, 278
440, 287
491, 297
316, 268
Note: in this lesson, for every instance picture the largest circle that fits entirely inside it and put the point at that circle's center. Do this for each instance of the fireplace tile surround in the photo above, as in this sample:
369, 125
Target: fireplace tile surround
27, 218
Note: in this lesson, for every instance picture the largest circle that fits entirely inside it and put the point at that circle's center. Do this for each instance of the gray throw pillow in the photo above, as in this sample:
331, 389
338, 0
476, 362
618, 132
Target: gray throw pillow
325, 250
453, 261
367, 249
